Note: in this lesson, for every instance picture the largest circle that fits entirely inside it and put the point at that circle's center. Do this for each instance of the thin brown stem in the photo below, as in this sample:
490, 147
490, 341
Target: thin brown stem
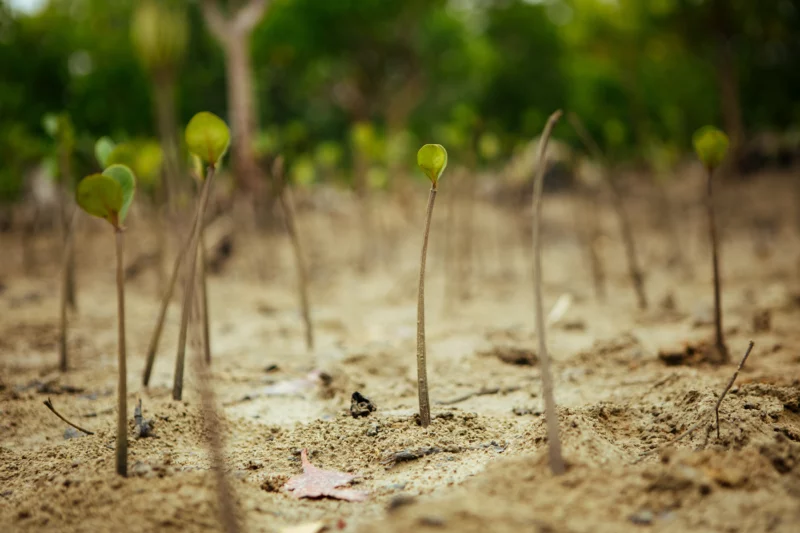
50, 406
67, 222
634, 271
188, 292
719, 341
422, 371
589, 231
204, 296
65, 283
450, 244
287, 205
730, 383
122, 385
551, 414
162, 313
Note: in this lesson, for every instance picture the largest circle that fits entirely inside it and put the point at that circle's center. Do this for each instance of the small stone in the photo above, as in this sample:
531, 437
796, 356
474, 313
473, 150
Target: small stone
361, 405
762, 321
372, 431
401, 500
72, 433
642, 518
141, 469
432, 520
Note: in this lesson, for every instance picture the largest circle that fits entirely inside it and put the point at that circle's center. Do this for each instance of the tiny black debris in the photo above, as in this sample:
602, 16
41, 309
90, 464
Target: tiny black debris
360, 405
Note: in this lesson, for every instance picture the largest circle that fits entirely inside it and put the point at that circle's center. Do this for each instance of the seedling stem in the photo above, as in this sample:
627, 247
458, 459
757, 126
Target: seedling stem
722, 349
287, 206
422, 371
162, 313
553, 438
122, 392
65, 290
188, 292
204, 289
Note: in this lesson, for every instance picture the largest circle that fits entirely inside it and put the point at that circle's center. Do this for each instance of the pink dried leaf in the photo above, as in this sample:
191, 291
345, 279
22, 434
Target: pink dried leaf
318, 483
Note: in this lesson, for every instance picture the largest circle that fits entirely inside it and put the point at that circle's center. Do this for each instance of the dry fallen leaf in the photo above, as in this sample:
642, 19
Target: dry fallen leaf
293, 387
317, 483
310, 527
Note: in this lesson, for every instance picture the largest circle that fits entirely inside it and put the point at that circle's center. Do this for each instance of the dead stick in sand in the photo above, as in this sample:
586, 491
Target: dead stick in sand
730, 384
706, 415
49, 405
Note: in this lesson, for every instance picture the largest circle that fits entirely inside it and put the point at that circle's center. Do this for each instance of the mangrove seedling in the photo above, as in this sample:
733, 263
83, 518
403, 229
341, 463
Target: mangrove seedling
551, 415
208, 137
432, 159
109, 196
711, 145
102, 149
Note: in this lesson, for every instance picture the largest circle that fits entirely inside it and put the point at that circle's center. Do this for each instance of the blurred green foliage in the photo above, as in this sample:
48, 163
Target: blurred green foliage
479, 75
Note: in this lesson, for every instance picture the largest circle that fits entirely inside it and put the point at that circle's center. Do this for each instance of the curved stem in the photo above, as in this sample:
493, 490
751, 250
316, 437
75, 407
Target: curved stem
422, 371
553, 438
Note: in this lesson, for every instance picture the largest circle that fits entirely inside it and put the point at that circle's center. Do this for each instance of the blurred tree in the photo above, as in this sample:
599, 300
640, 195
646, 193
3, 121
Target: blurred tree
233, 31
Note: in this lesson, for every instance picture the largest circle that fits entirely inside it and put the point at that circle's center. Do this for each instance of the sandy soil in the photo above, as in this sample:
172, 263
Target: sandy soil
481, 465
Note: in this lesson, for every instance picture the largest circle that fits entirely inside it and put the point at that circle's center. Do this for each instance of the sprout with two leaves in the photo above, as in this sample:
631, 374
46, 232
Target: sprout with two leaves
711, 146
432, 159
109, 196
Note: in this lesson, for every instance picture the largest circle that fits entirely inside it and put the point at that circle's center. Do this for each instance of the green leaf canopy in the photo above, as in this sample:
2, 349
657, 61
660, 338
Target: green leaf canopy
126, 180
108, 195
100, 196
432, 159
208, 137
711, 145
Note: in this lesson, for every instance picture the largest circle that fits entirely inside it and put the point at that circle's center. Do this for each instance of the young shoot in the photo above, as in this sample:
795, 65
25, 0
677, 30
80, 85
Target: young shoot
109, 196
711, 146
207, 136
551, 415
432, 159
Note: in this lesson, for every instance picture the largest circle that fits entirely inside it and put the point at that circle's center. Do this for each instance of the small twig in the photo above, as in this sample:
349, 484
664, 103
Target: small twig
481, 392
730, 384
144, 428
49, 405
